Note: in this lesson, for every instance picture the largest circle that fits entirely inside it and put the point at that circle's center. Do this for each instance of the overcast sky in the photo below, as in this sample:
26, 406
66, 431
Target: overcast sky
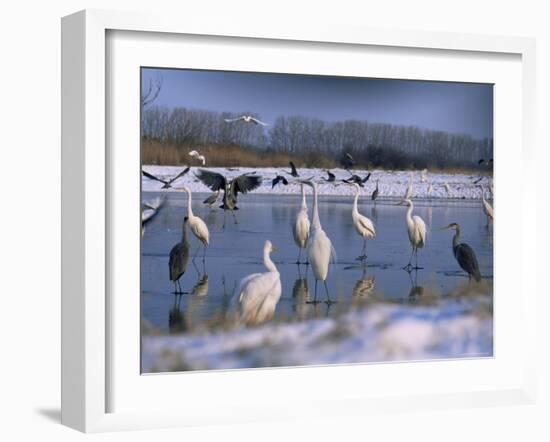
451, 107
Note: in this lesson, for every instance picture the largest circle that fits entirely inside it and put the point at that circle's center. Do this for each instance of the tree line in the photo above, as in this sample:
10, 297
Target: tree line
372, 144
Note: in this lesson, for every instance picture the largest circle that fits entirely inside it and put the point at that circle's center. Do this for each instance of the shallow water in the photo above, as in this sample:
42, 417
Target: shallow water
237, 251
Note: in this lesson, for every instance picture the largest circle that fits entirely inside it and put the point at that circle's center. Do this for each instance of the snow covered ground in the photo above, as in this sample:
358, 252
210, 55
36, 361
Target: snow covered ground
461, 327
393, 184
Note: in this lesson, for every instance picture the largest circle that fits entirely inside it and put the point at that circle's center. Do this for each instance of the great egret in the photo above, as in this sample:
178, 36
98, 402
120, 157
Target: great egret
430, 190
279, 179
331, 177
464, 254
487, 208
179, 258
198, 226
363, 225
301, 226
167, 184
409, 191
198, 156
246, 119
447, 188
424, 175
243, 183
375, 193
259, 293
319, 247
416, 228
293, 172
347, 161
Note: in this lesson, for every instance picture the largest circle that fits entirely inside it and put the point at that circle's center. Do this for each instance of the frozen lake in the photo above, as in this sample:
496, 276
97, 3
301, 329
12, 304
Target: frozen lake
237, 251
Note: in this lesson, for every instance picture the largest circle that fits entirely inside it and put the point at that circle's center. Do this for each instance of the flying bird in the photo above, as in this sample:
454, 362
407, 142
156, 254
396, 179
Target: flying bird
347, 161
167, 184
331, 177
279, 179
356, 179
293, 170
198, 156
416, 228
259, 293
246, 119
243, 183
464, 254
212, 198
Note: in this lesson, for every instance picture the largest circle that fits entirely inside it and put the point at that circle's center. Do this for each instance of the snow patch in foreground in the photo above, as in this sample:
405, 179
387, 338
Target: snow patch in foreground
383, 332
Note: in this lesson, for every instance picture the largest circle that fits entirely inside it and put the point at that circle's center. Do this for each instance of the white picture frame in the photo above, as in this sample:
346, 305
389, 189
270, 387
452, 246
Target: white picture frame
86, 352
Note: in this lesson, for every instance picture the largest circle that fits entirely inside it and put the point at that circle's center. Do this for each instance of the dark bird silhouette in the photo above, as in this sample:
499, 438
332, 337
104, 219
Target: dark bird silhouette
357, 179
331, 177
484, 162
278, 179
464, 254
167, 184
179, 258
375, 192
347, 161
243, 183
212, 198
293, 172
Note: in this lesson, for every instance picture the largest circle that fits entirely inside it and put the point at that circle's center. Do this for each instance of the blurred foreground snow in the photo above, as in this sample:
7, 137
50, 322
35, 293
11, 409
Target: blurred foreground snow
455, 328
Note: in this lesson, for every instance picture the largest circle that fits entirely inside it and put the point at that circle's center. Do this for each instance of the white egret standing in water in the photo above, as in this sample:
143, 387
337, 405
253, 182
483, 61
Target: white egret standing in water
362, 224
259, 293
301, 226
319, 247
198, 226
416, 228
487, 208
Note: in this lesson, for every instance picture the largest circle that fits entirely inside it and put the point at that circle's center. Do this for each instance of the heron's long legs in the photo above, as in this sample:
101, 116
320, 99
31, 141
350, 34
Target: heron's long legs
416, 260
299, 256
328, 301
408, 267
314, 296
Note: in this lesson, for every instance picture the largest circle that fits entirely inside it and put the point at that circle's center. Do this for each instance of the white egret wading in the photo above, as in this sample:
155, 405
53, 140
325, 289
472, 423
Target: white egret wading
487, 208
363, 225
319, 248
416, 228
301, 227
259, 293
198, 226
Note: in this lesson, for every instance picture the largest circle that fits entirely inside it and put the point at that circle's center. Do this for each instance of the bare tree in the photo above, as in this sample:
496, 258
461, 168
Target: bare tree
152, 92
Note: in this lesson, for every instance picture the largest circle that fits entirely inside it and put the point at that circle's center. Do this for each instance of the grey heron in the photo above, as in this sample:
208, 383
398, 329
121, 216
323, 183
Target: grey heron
331, 177
293, 172
375, 192
179, 258
279, 179
347, 161
464, 254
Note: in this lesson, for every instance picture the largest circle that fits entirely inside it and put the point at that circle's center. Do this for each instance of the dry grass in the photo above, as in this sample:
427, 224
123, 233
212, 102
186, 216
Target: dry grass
154, 152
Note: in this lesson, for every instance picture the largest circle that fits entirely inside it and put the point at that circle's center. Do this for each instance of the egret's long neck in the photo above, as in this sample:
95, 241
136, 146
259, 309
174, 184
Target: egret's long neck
355, 210
267, 261
409, 213
316, 222
456, 238
304, 205
189, 208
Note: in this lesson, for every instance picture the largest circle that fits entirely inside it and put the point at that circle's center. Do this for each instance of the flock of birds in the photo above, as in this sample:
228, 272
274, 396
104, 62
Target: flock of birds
258, 293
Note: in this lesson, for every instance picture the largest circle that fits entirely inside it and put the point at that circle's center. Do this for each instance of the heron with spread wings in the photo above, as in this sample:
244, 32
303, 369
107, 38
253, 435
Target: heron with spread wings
166, 183
246, 119
217, 182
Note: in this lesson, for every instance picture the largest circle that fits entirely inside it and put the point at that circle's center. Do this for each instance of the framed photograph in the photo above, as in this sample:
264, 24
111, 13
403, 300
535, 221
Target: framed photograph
274, 221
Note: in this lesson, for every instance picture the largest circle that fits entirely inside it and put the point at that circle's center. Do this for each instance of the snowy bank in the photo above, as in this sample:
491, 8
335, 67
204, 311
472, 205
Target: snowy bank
382, 332
392, 184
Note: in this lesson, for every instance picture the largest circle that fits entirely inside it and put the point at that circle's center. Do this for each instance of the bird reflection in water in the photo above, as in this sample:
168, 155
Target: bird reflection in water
364, 286
416, 291
177, 322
